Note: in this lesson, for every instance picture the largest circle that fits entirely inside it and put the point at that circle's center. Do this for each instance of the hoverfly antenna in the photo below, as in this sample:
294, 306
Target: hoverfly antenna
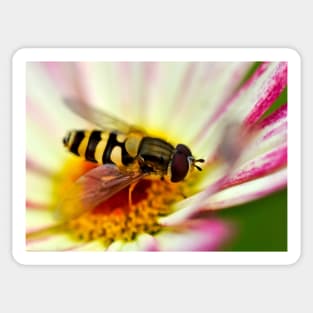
200, 160
193, 162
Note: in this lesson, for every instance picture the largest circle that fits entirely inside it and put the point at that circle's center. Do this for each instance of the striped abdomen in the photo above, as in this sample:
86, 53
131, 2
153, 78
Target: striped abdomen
99, 146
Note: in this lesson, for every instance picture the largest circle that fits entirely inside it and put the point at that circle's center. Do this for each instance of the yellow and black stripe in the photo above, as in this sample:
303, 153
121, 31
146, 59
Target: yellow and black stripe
98, 146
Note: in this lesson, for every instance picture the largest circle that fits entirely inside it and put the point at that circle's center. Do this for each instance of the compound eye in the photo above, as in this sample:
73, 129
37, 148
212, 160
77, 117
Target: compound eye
183, 149
179, 166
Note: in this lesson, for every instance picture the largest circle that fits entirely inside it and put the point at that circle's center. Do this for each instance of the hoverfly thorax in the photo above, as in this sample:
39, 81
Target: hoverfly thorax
182, 163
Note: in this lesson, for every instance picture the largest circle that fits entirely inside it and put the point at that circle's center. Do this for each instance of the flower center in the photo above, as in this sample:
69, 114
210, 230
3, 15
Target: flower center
117, 218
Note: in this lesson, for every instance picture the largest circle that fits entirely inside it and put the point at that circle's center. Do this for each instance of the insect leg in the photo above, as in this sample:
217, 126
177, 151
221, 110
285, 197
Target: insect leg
130, 191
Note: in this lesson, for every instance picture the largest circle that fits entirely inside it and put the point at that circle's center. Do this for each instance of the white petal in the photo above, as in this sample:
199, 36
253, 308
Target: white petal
38, 188
270, 134
47, 99
130, 246
116, 246
186, 208
269, 80
54, 242
103, 86
265, 152
147, 242
213, 85
47, 151
248, 191
188, 93
96, 245
39, 219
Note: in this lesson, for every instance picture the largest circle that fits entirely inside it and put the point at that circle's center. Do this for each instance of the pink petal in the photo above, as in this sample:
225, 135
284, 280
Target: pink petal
267, 136
267, 151
33, 205
262, 166
135, 84
55, 242
69, 78
36, 114
147, 242
149, 76
276, 118
228, 102
185, 87
248, 104
183, 91
33, 166
248, 191
269, 93
195, 235
266, 154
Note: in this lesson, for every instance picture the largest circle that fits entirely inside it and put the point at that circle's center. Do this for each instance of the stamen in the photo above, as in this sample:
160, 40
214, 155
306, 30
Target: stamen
117, 219
127, 214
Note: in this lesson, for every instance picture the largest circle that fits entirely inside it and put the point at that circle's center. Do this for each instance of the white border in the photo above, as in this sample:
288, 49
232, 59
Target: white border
152, 258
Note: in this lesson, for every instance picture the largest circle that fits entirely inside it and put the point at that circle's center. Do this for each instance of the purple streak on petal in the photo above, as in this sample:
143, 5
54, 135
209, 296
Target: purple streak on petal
35, 167
272, 155
40, 117
153, 247
221, 109
32, 241
271, 159
43, 233
185, 86
149, 245
271, 183
124, 70
60, 75
39, 244
262, 166
275, 86
53, 69
279, 114
275, 124
69, 79
220, 232
276, 131
196, 235
149, 76
31, 205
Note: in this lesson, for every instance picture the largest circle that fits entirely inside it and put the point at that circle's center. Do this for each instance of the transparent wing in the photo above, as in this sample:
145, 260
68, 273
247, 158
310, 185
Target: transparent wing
101, 119
93, 188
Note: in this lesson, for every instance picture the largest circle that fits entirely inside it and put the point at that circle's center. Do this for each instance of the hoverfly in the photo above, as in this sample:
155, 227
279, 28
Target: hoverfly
125, 154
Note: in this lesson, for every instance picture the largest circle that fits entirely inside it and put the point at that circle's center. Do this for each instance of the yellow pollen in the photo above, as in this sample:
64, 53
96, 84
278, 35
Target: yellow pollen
117, 219
121, 221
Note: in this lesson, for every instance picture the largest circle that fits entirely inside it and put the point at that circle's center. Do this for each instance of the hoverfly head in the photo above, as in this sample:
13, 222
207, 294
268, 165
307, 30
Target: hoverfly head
182, 162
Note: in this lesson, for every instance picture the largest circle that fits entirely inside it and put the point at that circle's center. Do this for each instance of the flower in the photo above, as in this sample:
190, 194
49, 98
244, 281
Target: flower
213, 108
